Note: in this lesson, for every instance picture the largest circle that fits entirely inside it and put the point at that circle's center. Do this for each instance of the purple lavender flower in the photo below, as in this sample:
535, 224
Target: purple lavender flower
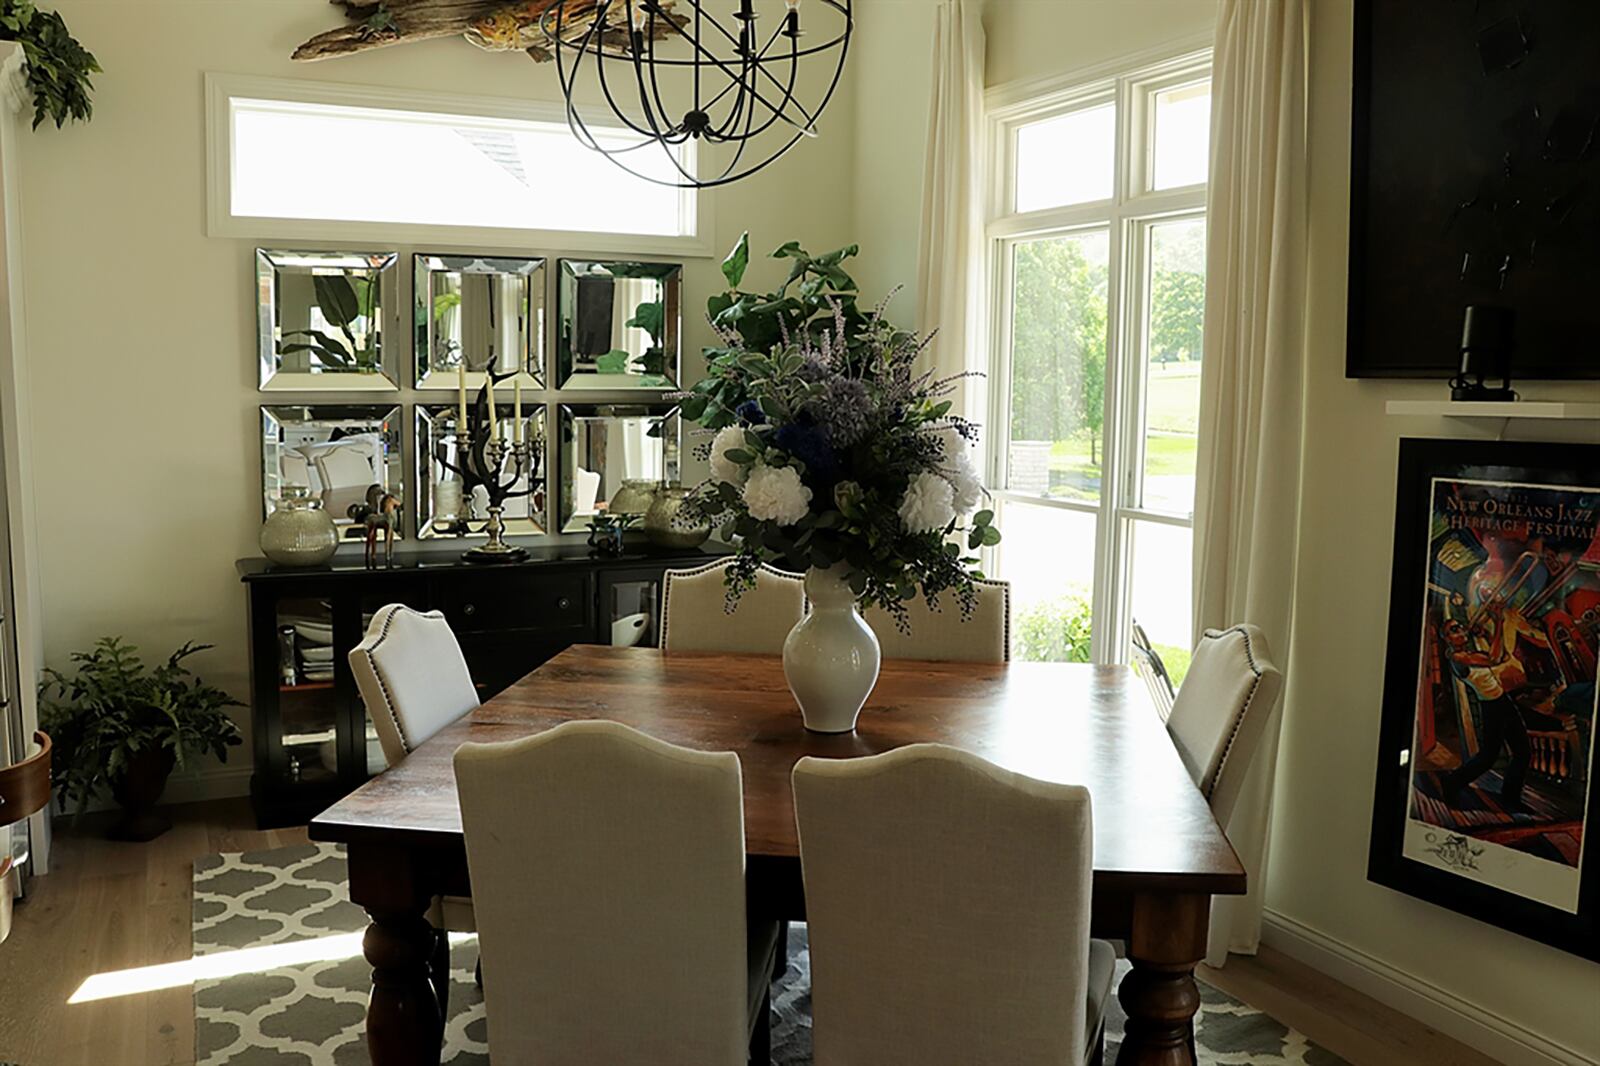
813, 369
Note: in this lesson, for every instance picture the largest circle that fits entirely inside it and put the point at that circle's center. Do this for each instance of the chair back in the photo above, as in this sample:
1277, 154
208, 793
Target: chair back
943, 635
25, 786
694, 614
412, 677
1221, 711
1147, 663
947, 907
608, 879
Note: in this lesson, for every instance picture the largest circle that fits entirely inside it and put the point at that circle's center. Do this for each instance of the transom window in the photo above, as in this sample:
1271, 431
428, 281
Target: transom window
1097, 230
355, 162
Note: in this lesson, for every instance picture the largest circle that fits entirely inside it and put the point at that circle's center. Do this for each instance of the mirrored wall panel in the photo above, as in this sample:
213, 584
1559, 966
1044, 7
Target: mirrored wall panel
607, 451
337, 452
323, 320
444, 507
478, 312
619, 325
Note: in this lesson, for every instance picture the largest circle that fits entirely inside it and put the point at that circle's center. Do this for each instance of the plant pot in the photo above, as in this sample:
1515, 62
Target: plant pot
138, 790
831, 657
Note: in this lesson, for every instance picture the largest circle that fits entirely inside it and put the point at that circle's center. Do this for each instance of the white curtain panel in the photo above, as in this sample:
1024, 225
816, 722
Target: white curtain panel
950, 270
1247, 499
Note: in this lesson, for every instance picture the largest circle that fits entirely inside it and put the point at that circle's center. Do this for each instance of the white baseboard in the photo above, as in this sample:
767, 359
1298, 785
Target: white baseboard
1470, 1023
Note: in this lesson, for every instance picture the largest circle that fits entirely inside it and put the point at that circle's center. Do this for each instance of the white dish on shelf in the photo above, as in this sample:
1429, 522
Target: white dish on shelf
322, 654
627, 631
314, 632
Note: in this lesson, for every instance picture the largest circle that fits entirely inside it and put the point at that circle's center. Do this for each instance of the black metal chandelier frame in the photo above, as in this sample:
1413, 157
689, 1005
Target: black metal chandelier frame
761, 97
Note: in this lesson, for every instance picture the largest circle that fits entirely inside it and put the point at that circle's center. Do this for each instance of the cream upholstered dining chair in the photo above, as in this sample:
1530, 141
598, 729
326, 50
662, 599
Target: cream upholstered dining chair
694, 615
611, 909
414, 682
412, 676
948, 908
943, 635
1221, 711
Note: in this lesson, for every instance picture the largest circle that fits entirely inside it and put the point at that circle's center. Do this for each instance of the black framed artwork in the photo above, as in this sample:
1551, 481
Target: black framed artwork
1485, 785
1475, 180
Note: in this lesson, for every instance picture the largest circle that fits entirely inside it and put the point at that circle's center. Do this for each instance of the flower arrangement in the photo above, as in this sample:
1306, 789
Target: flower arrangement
831, 448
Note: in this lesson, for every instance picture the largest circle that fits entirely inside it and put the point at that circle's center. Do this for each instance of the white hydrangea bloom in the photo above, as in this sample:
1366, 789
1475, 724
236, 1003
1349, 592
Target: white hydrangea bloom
723, 468
929, 503
775, 494
961, 473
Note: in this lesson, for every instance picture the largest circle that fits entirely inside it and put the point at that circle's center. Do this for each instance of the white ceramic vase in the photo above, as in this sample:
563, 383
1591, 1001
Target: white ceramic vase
831, 657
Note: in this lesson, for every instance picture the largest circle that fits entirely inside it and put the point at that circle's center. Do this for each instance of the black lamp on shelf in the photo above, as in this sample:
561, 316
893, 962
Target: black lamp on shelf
1488, 339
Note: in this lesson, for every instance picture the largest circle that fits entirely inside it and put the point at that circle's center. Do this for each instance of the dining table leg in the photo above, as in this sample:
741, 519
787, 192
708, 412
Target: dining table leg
1159, 994
405, 1020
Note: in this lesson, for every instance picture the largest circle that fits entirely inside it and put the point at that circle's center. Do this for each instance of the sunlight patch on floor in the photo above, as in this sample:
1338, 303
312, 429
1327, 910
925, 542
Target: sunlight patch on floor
221, 964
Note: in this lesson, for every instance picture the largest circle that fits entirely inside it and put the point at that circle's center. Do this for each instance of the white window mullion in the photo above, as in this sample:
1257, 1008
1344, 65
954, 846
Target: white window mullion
1127, 219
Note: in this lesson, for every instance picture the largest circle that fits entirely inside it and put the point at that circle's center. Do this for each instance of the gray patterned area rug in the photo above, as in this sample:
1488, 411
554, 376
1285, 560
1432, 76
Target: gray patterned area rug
311, 1013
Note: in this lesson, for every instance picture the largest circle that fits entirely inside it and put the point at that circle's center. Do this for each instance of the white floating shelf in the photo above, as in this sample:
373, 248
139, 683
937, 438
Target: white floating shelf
1490, 409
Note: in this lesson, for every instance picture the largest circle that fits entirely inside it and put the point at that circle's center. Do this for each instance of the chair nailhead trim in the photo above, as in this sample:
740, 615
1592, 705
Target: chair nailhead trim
1238, 721
383, 685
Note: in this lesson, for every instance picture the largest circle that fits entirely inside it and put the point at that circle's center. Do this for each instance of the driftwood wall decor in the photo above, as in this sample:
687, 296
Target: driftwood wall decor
493, 25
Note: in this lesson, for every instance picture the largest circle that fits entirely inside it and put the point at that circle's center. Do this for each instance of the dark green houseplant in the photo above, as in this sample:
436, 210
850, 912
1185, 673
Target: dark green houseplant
121, 726
58, 67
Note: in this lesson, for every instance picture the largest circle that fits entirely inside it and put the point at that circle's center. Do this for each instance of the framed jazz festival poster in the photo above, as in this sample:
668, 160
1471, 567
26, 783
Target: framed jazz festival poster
1485, 798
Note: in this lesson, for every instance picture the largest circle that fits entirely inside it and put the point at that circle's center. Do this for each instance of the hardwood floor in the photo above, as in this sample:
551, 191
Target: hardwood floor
107, 906
111, 906
1352, 1025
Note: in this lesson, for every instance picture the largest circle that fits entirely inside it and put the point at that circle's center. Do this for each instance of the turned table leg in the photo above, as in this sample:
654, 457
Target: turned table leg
405, 1021
1159, 994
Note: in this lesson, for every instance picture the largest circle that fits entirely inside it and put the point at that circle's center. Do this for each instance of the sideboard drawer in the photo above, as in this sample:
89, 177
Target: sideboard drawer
500, 600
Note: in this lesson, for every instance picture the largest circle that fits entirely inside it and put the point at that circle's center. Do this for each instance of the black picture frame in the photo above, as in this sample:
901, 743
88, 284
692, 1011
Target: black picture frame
1563, 467
1475, 179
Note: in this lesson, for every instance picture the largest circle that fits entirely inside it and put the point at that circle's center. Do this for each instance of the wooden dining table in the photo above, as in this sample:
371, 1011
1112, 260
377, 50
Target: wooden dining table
1159, 855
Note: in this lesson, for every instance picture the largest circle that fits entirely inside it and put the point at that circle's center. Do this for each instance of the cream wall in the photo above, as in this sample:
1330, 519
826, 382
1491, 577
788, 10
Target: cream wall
1317, 875
1419, 957
142, 329
893, 68
1030, 39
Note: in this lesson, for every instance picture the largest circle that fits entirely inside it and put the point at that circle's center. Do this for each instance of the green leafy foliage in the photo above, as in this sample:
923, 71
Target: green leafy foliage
816, 387
1177, 315
115, 707
380, 23
58, 66
817, 294
347, 302
1054, 632
1058, 348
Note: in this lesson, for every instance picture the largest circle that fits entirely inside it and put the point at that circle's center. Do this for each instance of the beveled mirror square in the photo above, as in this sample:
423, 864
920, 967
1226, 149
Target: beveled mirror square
619, 324
324, 320
444, 508
609, 448
474, 312
337, 452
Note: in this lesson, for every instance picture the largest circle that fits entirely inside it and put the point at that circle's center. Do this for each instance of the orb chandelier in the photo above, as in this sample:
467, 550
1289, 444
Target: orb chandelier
674, 72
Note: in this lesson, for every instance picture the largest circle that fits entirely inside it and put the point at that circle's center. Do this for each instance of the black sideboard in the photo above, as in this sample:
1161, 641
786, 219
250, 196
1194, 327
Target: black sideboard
313, 741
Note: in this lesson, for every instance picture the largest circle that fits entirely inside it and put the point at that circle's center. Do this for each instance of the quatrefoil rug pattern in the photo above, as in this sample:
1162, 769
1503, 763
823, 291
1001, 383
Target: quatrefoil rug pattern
310, 1013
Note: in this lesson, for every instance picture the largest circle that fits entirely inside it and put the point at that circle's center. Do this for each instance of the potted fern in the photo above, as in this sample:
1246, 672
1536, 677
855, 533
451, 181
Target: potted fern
121, 726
